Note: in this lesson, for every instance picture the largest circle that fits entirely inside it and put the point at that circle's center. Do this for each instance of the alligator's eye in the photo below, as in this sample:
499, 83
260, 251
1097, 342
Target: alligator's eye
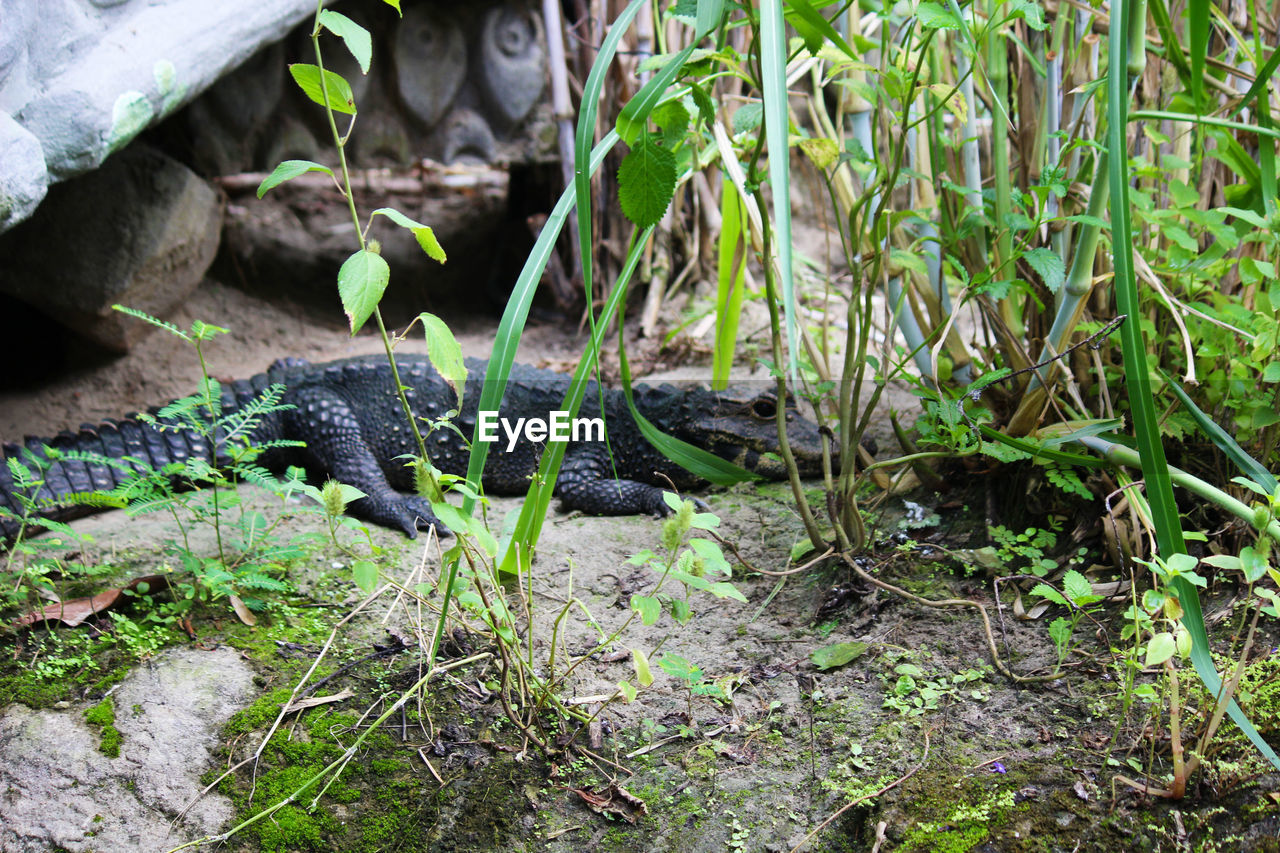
764, 407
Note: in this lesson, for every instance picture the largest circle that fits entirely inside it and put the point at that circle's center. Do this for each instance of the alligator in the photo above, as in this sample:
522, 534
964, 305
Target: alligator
350, 420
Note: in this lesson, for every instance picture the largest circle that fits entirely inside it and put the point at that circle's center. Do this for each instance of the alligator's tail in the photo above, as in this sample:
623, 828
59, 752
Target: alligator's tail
57, 478
65, 477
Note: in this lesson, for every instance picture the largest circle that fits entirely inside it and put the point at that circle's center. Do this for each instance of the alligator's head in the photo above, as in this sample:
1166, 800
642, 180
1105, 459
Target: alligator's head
741, 426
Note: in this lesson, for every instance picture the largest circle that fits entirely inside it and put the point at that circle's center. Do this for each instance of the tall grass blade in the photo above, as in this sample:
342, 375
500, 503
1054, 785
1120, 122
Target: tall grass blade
517, 311
1249, 466
1155, 469
538, 500
1198, 35
773, 70
731, 281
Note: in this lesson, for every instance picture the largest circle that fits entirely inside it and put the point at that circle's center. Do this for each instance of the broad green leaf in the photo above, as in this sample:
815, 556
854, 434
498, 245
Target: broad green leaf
361, 283
1160, 649
366, 576
1253, 562
679, 667
644, 675
712, 556
649, 608
838, 654
354, 36
628, 691
451, 517
934, 17
646, 182
1030, 12
287, 171
673, 118
1048, 265
802, 10
680, 611
724, 589
341, 100
444, 353
425, 236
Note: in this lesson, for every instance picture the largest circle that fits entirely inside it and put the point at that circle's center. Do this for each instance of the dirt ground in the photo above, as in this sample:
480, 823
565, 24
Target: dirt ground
914, 744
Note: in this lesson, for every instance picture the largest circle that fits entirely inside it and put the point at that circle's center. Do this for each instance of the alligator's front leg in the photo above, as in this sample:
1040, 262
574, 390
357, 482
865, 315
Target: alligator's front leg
586, 482
325, 421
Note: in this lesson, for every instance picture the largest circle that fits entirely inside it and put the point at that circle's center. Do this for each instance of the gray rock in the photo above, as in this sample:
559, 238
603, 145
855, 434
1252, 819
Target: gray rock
23, 179
85, 79
61, 792
140, 231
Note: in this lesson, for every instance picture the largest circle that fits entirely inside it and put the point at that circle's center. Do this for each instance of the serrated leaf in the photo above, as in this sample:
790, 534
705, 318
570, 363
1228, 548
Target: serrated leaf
425, 236
341, 99
646, 182
838, 654
648, 607
361, 283
366, 576
287, 171
354, 36
644, 675
673, 118
1048, 266
1047, 592
1160, 649
1076, 586
747, 117
701, 100
444, 353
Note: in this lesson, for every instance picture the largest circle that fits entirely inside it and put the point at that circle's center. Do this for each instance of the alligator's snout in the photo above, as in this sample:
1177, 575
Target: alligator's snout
745, 431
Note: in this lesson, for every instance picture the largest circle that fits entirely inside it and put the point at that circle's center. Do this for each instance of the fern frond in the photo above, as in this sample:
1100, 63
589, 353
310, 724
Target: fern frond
155, 321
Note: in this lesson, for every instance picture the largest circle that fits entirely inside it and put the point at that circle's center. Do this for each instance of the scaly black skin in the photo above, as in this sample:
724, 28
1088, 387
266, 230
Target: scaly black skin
348, 415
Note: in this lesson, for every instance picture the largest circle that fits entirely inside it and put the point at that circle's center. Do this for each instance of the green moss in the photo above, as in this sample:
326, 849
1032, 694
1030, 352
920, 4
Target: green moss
103, 717
258, 716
